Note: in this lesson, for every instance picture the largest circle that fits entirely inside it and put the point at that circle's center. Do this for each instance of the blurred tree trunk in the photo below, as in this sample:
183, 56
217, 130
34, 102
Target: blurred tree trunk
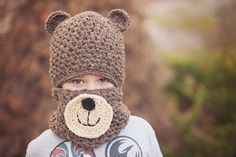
226, 15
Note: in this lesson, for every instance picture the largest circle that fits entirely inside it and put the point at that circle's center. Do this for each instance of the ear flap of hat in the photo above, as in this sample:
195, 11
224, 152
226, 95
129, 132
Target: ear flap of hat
120, 18
54, 19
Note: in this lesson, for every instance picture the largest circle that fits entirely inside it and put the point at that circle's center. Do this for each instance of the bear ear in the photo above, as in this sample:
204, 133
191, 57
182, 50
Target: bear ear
120, 18
54, 19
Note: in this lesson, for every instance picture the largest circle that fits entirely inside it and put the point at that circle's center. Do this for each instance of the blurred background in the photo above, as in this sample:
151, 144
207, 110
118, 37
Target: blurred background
181, 71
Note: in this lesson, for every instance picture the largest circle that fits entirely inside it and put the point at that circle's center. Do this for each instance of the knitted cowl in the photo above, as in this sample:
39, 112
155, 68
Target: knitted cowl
119, 120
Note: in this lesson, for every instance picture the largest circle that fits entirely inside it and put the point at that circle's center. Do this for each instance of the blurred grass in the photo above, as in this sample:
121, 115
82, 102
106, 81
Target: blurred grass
205, 88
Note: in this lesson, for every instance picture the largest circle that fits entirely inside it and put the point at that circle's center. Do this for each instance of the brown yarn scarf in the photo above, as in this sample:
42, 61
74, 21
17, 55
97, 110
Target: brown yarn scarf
113, 96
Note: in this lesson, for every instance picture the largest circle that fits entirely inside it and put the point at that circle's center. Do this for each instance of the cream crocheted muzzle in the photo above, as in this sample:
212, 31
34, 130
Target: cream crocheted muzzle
88, 115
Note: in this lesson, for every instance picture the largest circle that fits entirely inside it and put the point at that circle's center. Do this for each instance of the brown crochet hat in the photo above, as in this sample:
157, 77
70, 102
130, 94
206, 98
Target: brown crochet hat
87, 43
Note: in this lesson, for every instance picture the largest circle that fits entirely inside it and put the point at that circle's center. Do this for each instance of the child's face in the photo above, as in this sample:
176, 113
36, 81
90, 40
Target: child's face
88, 82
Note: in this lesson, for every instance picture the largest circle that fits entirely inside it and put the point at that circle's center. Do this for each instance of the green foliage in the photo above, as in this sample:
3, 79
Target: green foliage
204, 88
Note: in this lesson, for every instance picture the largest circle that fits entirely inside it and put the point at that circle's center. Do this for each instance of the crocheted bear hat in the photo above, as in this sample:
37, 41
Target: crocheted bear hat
87, 43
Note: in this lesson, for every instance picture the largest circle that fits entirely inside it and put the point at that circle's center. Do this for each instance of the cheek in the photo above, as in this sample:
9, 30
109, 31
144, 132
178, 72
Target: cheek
107, 85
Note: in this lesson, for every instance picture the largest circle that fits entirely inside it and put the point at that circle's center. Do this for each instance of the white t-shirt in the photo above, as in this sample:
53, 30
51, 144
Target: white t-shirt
137, 139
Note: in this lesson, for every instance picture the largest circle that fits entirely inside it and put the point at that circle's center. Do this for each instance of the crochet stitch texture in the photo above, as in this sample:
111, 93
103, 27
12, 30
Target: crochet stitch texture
87, 43
120, 116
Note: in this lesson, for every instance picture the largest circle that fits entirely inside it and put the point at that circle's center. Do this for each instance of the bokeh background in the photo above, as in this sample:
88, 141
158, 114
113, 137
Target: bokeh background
181, 71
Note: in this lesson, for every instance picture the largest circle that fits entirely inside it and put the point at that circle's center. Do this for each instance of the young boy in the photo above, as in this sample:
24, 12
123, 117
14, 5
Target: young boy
87, 70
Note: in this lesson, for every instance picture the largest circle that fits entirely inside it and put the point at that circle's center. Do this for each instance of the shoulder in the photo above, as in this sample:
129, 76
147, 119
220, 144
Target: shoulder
140, 131
139, 122
42, 138
42, 144
139, 126
138, 119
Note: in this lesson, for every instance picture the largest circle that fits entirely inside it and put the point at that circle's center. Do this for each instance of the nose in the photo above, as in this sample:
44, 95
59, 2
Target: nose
90, 85
88, 104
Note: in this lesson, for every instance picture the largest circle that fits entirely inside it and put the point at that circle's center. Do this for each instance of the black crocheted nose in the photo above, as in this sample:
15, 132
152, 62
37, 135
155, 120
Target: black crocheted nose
88, 104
